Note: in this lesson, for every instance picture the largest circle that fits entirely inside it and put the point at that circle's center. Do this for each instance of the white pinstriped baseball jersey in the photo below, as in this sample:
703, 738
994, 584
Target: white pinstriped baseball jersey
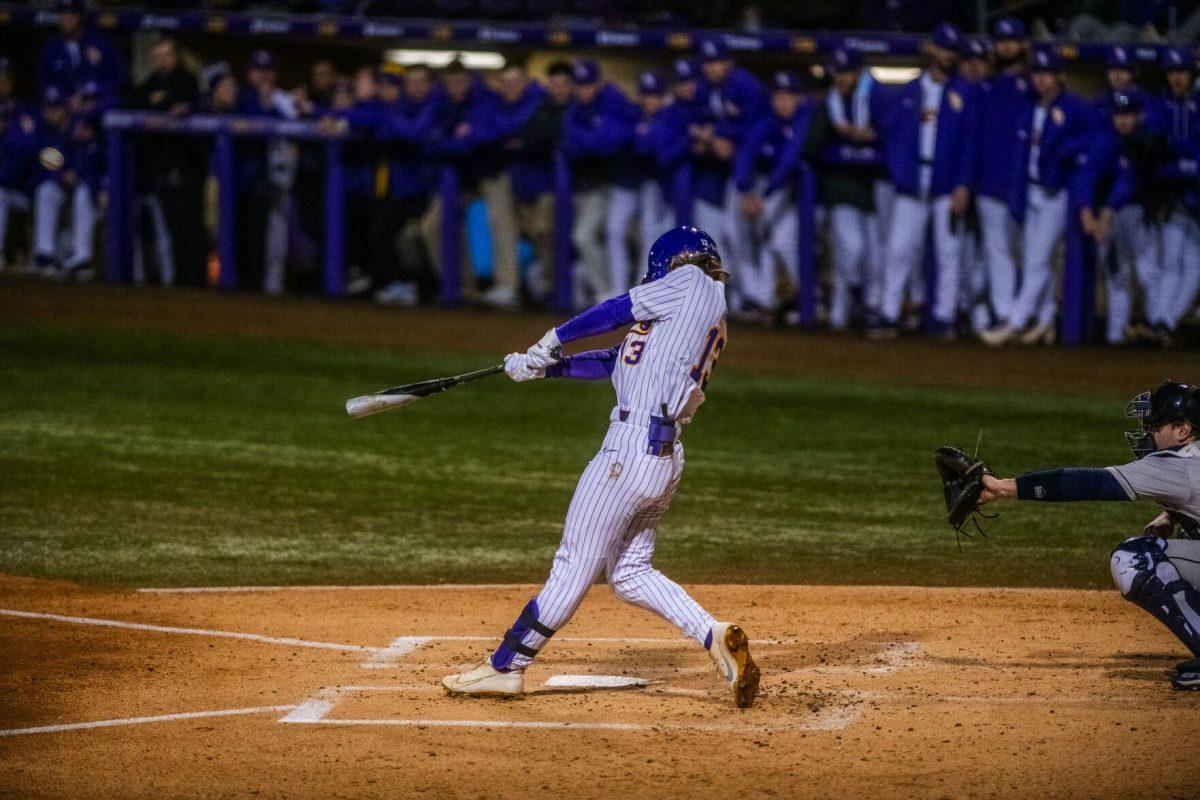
668, 356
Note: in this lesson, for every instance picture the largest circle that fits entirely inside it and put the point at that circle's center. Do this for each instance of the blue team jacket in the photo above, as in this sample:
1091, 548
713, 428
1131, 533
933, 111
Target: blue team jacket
743, 103
661, 142
98, 61
770, 149
953, 155
1179, 117
530, 176
1004, 102
1067, 135
599, 136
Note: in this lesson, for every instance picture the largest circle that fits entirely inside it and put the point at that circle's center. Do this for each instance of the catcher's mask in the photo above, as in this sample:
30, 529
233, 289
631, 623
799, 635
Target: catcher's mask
1170, 402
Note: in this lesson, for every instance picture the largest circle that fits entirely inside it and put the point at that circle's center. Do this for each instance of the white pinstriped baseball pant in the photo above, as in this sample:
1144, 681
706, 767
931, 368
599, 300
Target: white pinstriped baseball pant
611, 524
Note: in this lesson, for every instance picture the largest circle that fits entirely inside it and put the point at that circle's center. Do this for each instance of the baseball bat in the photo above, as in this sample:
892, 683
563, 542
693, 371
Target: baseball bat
398, 396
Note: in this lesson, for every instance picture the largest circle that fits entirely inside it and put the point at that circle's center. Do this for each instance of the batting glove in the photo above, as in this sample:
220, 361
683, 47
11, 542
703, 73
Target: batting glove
547, 351
516, 366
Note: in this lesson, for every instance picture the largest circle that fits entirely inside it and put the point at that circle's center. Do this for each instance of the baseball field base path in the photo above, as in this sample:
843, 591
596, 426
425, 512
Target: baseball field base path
332, 691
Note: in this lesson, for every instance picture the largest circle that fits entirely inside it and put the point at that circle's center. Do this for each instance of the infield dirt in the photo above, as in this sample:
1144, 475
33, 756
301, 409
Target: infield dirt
883, 692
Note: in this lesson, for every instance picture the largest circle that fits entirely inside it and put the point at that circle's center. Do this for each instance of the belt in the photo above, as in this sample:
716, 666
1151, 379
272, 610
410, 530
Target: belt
661, 431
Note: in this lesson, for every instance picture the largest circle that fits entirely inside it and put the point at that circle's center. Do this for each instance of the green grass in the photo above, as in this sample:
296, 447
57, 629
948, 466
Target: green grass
149, 459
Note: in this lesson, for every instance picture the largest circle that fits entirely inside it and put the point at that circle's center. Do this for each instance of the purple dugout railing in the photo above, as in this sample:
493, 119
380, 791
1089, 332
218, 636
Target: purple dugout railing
223, 130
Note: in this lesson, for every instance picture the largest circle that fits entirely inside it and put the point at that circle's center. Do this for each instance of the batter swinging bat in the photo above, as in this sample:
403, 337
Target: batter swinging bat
410, 392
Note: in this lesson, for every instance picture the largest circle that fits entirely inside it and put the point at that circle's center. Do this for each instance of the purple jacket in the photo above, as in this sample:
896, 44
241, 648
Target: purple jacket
953, 155
736, 106
598, 139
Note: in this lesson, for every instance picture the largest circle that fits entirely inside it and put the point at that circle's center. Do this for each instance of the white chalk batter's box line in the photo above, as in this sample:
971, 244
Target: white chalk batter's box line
316, 709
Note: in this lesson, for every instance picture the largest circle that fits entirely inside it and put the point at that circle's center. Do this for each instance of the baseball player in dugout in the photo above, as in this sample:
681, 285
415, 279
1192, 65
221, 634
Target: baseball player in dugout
660, 372
1052, 130
931, 161
1160, 569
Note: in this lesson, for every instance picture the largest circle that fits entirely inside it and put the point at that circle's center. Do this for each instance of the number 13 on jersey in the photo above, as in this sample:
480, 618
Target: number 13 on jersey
714, 342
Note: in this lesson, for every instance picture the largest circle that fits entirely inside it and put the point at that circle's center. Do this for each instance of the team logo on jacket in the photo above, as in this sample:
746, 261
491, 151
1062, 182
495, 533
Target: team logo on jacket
956, 101
1057, 116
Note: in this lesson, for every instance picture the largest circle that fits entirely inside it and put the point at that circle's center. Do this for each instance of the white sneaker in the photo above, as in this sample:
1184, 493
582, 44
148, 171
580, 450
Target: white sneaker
503, 297
730, 648
1039, 334
397, 293
486, 681
995, 337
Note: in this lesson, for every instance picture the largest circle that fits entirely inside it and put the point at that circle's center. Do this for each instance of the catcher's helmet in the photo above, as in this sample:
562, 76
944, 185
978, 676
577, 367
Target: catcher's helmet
686, 239
1170, 402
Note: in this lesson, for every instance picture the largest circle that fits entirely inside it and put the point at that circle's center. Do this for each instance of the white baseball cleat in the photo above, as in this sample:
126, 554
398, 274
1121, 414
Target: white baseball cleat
486, 681
730, 648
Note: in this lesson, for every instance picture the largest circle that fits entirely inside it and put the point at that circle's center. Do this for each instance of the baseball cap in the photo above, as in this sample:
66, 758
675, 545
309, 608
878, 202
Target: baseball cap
844, 60
54, 95
1126, 103
684, 69
947, 36
1178, 58
1009, 28
713, 50
974, 47
585, 72
262, 59
1045, 59
1119, 57
70, 6
784, 81
650, 83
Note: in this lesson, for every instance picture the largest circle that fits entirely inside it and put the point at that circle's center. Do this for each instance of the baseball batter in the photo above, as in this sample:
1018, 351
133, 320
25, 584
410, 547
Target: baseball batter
1157, 571
659, 372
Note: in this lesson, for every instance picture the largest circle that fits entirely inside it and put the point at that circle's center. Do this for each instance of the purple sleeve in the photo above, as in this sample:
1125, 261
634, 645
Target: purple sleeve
600, 318
594, 365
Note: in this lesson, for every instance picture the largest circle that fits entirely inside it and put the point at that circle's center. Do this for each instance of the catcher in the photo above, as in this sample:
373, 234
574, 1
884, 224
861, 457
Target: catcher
1158, 570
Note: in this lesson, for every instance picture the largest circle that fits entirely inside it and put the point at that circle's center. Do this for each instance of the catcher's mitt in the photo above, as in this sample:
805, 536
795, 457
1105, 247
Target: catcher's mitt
962, 481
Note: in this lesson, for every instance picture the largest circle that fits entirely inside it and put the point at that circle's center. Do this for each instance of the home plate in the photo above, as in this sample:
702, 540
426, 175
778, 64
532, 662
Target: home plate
594, 682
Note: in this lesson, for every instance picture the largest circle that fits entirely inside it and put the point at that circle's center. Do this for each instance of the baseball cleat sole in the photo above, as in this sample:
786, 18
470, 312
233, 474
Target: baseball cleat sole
731, 650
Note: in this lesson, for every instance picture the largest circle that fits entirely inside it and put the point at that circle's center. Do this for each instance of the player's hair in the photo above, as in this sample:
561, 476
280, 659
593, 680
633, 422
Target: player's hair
455, 67
559, 67
709, 264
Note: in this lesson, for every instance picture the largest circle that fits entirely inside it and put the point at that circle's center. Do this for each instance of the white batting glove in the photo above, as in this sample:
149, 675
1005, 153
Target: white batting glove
547, 351
516, 366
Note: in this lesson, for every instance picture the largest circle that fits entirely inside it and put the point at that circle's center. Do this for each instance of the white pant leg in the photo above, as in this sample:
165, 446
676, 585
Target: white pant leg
276, 244
1118, 257
162, 240
587, 234
743, 237
1147, 264
623, 491
1045, 220
1185, 296
781, 234
948, 245
622, 211
998, 230
906, 248
635, 581
83, 227
48, 200
849, 236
